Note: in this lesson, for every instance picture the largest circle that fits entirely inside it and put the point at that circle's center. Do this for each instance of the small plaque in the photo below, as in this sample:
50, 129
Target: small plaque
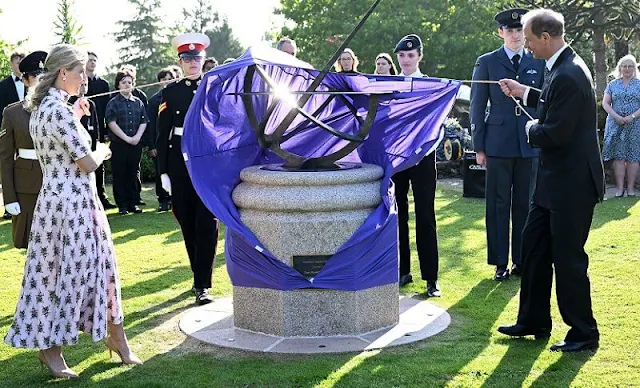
309, 265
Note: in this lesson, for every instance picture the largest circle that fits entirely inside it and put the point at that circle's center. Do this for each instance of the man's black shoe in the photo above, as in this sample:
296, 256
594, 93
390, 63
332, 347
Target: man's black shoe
502, 273
565, 346
202, 296
433, 290
108, 205
163, 206
123, 211
405, 279
134, 209
6, 215
516, 270
519, 330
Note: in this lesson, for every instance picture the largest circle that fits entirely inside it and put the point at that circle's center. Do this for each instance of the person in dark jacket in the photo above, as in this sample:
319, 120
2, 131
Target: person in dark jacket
570, 182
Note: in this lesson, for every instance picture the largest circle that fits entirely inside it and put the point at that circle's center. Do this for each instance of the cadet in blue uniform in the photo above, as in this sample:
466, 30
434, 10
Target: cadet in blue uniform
199, 226
500, 142
422, 178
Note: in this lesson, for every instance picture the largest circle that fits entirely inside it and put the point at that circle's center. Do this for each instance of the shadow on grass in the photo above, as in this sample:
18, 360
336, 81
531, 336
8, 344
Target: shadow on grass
517, 362
563, 371
612, 209
439, 359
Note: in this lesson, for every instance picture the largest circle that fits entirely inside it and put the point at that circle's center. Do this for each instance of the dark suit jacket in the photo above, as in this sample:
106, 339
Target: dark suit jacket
8, 94
500, 133
570, 170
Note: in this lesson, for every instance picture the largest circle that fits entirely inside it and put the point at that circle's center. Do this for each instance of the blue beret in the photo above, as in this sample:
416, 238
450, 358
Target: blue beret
409, 42
510, 18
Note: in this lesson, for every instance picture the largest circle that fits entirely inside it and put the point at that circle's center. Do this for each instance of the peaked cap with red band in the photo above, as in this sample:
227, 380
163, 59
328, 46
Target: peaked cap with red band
190, 44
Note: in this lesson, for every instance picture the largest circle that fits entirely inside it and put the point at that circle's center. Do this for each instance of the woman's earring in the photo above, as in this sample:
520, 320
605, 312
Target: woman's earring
64, 78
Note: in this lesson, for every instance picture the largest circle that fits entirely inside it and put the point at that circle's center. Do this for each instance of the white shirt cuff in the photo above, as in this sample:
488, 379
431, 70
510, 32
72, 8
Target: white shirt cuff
525, 95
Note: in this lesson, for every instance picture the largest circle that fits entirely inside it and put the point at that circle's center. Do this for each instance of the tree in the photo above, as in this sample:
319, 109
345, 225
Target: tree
597, 21
144, 42
67, 27
454, 32
202, 18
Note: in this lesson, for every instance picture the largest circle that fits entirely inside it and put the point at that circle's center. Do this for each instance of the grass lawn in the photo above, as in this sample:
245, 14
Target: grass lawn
155, 287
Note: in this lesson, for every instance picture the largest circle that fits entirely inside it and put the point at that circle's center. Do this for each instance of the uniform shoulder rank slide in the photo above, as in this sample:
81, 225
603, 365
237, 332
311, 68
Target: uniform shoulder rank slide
162, 107
3, 132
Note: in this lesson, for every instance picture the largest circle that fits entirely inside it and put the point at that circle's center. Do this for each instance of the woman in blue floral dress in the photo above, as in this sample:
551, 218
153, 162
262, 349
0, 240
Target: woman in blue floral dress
622, 132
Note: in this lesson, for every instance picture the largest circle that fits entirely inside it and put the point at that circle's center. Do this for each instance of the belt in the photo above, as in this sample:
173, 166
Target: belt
178, 131
24, 153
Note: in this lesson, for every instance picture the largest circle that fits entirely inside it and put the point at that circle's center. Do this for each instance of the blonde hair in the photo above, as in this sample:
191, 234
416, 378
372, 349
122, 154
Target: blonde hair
338, 65
61, 56
630, 59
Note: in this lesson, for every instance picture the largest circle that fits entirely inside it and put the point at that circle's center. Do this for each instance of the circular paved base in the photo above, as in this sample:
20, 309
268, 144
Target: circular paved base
213, 324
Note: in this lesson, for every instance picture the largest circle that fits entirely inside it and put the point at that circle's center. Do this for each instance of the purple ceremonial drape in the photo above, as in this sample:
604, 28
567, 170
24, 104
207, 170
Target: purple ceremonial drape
219, 142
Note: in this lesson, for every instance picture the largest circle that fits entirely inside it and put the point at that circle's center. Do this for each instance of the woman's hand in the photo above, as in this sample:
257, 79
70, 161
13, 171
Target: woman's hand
101, 147
81, 108
619, 119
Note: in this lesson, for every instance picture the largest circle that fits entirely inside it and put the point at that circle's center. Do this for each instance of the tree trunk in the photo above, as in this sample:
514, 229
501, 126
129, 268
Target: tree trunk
621, 48
600, 56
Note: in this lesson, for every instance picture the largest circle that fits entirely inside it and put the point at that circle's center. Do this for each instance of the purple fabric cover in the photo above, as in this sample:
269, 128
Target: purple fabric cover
219, 142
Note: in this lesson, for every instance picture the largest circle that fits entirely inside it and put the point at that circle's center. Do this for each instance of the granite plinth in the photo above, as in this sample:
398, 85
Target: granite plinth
315, 312
310, 214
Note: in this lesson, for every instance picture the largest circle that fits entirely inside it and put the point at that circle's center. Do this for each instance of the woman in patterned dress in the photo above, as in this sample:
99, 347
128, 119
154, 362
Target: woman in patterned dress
622, 132
70, 279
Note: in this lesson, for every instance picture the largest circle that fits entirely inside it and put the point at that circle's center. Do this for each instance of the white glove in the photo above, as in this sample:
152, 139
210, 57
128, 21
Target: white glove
13, 208
166, 183
104, 148
528, 125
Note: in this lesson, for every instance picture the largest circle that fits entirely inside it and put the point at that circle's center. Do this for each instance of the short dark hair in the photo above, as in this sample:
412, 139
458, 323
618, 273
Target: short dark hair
92, 53
210, 60
544, 20
123, 73
284, 40
177, 70
165, 72
17, 55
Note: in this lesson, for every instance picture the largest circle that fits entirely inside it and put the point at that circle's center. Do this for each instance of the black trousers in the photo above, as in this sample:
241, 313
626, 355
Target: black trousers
199, 229
422, 178
555, 240
99, 172
508, 190
160, 192
125, 166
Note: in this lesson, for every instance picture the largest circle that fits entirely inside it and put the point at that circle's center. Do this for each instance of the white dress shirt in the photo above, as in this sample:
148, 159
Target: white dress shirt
550, 62
416, 74
19, 86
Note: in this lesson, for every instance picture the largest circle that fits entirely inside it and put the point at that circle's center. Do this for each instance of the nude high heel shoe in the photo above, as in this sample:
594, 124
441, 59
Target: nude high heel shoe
65, 373
129, 359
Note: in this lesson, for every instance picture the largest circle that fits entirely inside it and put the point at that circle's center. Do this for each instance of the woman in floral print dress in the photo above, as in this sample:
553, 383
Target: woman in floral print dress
70, 279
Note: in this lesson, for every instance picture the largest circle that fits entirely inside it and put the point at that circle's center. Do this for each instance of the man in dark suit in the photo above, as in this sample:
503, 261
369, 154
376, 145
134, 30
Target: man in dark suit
501, 144
165, 76
422, 178
570, 182
98, 85
12, 89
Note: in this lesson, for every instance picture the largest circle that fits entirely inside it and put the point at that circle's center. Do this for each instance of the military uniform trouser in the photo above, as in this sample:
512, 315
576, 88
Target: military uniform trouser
199, 228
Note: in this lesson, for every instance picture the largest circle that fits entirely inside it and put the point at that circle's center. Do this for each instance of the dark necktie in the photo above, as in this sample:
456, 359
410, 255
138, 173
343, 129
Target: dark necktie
18, 79
516, 61
547, 74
